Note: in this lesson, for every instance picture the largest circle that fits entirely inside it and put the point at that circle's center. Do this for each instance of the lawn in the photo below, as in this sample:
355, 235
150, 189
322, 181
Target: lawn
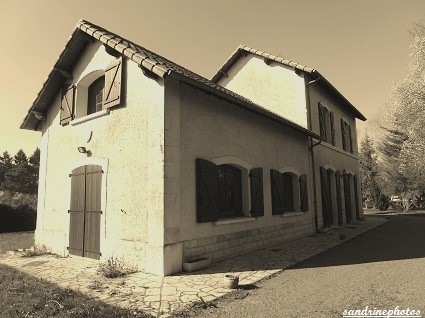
14, 240
26, 296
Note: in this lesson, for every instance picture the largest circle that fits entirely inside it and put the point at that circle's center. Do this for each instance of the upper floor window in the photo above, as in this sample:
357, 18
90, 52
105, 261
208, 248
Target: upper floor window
347, 139
332, 121
322, 121
95, 95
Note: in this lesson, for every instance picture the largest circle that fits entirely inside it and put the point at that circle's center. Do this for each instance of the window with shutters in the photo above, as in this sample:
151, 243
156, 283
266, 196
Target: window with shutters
227, 191
289, 192
322, 121
347, 138
93, 95
332, 122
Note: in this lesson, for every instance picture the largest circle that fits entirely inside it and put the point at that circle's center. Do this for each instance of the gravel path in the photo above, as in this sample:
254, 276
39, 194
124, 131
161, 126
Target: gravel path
381, 269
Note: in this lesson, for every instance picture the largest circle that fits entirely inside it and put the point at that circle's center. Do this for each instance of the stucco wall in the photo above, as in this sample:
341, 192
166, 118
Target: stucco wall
274, 87
128, 141
211, 128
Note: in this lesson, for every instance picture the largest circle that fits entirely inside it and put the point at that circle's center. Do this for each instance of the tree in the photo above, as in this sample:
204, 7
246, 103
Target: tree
369, 171
403, 144
20, 158
5, 164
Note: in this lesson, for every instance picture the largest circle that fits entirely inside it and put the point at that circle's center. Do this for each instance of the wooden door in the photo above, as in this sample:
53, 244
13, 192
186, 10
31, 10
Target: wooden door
85, 211
326, 197
338, 197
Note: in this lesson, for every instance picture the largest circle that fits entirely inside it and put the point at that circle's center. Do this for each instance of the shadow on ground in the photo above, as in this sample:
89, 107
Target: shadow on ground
401, 238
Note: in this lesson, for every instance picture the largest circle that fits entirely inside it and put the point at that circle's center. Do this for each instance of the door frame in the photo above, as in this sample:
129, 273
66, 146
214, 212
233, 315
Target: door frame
83, 162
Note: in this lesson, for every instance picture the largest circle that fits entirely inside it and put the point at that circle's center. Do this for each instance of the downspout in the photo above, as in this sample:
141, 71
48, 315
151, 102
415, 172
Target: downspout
312, 145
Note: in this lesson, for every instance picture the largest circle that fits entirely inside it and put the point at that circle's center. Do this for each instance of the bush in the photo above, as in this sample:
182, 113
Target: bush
22, 218
382, 202
16, 200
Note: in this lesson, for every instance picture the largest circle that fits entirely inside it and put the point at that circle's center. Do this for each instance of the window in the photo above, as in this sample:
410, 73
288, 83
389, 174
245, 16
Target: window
229, 191
96, 91
332, 121
220, 191
347, 139
322, 121
95, 95
289, 193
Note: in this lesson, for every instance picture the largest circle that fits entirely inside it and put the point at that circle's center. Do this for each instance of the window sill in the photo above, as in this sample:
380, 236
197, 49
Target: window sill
289, 214
235, 220
83, 119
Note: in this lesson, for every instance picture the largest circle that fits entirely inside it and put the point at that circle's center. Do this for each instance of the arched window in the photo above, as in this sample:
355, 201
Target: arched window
95, 95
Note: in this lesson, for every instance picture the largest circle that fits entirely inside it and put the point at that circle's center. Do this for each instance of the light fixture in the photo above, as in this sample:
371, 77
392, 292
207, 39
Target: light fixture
82, 150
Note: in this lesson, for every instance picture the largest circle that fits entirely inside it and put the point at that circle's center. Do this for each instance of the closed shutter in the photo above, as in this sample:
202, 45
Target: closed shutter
113, 79
277, 191
67, 105
338, 196
257, 196
356, 198
332, 127
76, 211
347, 192
206, 191
322, 122
350, 138
343, 133
326, 209
288, 193
303, 193
93, 212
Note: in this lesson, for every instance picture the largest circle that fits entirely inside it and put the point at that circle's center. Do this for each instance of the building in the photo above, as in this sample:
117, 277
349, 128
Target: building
146, 160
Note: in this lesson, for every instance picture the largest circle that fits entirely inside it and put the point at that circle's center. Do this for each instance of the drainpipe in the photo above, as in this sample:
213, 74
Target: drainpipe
312, 145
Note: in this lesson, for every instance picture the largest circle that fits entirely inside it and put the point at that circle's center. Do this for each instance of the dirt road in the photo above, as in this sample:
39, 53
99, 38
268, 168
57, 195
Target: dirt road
381, 269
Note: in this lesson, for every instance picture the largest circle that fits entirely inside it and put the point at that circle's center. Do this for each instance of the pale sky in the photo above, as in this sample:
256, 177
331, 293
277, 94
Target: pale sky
359, 46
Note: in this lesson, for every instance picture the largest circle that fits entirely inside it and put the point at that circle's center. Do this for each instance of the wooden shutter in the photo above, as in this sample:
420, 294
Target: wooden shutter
332, 119
76, 211
206, 191
326, 207
338, 196
347, 193
343, 134
356, 197
350, 138
276, 179
92, 211
288, 193
113, 79
257, 196
322, 122
303, 193
67, 105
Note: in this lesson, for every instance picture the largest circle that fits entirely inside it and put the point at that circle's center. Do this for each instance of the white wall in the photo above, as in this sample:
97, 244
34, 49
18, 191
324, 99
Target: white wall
274, 87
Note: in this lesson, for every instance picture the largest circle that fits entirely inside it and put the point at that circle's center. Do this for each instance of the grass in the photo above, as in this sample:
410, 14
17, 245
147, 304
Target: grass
25, 296
15, 240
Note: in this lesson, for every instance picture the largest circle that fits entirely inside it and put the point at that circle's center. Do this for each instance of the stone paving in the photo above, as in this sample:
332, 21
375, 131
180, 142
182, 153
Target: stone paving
160, 296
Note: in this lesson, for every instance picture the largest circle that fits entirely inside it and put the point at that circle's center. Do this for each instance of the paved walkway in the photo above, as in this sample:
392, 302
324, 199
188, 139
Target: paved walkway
162, 295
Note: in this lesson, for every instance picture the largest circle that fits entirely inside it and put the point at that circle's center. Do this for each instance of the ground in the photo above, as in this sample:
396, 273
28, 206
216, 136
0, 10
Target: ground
382, 269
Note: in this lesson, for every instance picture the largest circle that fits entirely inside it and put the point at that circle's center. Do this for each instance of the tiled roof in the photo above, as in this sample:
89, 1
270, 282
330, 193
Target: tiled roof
243, 50
162, 67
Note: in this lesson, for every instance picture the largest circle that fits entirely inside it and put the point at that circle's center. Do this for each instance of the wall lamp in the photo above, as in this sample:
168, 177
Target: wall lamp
84, 150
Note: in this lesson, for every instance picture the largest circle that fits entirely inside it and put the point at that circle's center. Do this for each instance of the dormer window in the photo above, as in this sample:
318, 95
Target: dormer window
95, 95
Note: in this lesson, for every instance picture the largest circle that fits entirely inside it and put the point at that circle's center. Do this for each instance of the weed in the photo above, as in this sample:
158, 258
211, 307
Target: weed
115, 267
37, 250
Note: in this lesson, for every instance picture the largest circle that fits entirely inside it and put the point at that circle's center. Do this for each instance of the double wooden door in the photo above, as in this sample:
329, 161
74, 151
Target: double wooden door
85, 211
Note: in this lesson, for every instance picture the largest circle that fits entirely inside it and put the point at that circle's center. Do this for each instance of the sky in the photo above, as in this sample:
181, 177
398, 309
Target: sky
360, 46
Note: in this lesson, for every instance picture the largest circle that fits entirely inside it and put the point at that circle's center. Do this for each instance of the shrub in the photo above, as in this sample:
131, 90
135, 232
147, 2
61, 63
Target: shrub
382, 202
21, 218
115, 267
